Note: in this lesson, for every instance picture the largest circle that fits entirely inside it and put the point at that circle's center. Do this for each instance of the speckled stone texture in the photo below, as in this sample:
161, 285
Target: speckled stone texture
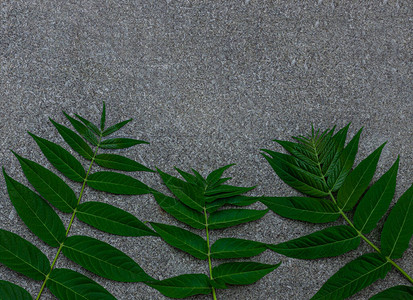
208, 83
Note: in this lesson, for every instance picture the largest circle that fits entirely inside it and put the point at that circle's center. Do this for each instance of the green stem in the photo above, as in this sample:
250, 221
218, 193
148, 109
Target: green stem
71, 220
209, 253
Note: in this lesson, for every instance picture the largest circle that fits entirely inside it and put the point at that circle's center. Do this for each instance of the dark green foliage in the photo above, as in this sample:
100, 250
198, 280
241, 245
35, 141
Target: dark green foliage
197, 203
34, 208
320, 166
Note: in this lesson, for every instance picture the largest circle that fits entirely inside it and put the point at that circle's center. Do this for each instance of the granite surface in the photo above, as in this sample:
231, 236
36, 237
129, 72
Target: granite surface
208, 83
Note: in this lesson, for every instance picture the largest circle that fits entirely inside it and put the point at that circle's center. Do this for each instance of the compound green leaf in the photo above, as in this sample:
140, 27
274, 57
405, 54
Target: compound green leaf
357, 181
111, 219
399, 292
354, 276
231, 217
398, 228
332, 241
118, 162
120, 143
103, 259
10, 291
180, 211
314, 210
50, 186
241, 273
61, 159
183, 240
115, 128
22, 256
116, 183
376, 201
66, 284
74, 140
89, 124
183, 286
189, 194
39, 217
343, 164
82, 130
236, 248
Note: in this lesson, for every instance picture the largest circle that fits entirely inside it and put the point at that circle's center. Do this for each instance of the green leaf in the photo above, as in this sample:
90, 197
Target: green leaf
103, 259
22, 256
376, 201
180, 211
234, 200
357, 181
183, 286
226, 191
231, 217
236, 248
183, 240
399, 292
116, 183
296, 177
89, 124
66, 284
120, 143
189, 194
103, 117
398, 228
241, 272
50, 186
111, 219
39, 217
117, 162
302, 208
82, 130
354, 277
61, 159
300, 151
332, 241
215, 175
115, 128
344, 164
74, 140
10, 291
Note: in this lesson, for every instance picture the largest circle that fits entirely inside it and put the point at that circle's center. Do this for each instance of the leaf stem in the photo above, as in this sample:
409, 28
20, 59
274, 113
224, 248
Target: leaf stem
71, 219
209, 253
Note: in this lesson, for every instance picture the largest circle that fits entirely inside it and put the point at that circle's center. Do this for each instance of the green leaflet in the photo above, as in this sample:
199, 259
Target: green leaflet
236, 248
103, 259
234, 200
118, 162
116, 183
231, 217
49, 185
103, 117
115, 128
61, 159
398, 228
376, 201
120, 143
111, 219
83, 130
66, 284
39, 217
400, 292
182, 286
89, 124
354, 276
314, 210
357, 181
180, 211
183, 240
215, 175
74, 140
22, 256
10, 291
332, 241
241, 272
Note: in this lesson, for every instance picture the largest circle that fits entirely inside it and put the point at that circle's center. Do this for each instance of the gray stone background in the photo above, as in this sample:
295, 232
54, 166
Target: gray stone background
208, 83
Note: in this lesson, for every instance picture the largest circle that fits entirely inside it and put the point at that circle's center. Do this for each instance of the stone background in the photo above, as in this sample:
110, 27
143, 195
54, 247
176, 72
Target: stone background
208, 83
